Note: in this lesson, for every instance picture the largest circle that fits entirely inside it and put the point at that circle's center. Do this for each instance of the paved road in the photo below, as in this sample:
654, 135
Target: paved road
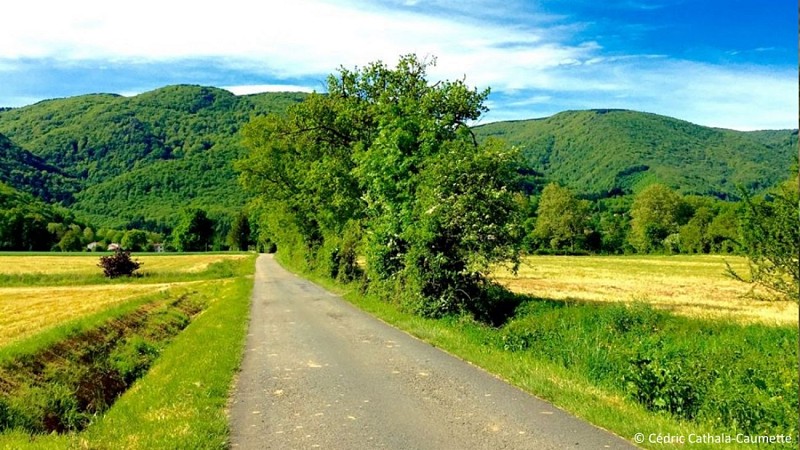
319, 373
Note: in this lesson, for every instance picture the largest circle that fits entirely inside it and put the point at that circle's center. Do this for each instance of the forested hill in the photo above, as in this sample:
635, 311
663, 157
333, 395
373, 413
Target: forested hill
610, 152
120, 160
32, 174
138, 161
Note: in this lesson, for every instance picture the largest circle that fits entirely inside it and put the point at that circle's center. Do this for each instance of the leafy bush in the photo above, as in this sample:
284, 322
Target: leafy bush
770, 231
663, 386
119, 264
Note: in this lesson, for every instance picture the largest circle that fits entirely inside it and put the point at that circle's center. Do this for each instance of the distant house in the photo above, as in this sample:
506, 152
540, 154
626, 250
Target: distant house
112, 247
158, 247
92, 246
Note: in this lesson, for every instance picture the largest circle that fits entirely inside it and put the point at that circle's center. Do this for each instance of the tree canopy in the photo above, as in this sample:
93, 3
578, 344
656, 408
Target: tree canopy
386, 163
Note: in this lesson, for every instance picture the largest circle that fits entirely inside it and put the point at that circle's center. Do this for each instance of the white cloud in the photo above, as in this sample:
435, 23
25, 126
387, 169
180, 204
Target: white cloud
306, 39
259, 88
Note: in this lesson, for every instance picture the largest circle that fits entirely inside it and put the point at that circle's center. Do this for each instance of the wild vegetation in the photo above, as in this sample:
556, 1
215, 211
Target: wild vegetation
383, 167
62, 380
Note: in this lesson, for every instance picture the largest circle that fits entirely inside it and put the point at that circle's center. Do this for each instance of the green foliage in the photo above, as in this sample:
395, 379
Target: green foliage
603, 153
71, 241
771, 240
387, 157
465, 220
31, 174
194, 232
561, 218
240, 235
134, 240
29, 224
655, 214
119, 264
119, 160
736, 377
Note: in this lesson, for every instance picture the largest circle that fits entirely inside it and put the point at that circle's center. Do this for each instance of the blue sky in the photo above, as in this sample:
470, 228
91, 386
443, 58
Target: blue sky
726, 63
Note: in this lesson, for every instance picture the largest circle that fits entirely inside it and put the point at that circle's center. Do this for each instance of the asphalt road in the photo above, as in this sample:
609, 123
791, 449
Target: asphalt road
319, 373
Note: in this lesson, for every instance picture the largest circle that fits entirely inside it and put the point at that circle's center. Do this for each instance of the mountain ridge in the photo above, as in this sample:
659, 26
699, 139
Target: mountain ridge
606, 152
120, 160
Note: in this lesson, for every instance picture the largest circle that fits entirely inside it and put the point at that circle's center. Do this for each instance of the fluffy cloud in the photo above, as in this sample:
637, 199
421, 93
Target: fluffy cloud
533, 66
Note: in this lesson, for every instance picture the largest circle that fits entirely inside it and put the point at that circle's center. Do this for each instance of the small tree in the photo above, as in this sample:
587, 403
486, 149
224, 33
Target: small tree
770, 230
655, 215
239, 236
194, 232
562, 218
134, 240
71, 241
119, 264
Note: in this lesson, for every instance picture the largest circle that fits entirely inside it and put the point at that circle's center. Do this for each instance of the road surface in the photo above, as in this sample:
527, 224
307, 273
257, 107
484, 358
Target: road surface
319, 373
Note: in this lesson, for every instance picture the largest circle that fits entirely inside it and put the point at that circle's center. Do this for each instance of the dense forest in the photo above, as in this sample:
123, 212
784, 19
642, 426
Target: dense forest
604, 153
120, 161
96, 167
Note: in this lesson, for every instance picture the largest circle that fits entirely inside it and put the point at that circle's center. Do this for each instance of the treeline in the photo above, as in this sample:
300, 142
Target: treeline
385, 167
656, 220
27, 224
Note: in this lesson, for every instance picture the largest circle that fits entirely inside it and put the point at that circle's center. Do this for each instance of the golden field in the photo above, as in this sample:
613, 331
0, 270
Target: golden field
25, 311
28, 310
87, 263
694, 285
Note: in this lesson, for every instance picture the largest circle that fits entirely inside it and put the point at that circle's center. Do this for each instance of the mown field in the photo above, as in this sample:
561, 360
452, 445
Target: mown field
147, 362
692, 286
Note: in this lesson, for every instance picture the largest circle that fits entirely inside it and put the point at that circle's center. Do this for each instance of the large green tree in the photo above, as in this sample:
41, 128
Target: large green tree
655, 214
385, 164
561, 218
194, 232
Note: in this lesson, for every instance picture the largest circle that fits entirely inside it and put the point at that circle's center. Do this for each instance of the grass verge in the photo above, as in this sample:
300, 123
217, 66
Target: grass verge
627, 369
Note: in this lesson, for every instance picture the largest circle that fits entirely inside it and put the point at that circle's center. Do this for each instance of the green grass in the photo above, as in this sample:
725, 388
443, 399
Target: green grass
180, 402
702, 376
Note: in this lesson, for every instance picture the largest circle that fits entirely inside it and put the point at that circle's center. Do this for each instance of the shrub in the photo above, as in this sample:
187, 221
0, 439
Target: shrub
119, 264
663, 385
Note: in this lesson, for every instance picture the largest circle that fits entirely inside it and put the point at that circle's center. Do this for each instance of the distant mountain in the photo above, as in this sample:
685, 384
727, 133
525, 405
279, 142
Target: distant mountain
141, 157
611, 152
129, 161
32, 174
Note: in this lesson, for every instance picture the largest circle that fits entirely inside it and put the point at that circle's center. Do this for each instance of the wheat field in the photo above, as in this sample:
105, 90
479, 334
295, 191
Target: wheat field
28, 310
694, 285
87, 263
